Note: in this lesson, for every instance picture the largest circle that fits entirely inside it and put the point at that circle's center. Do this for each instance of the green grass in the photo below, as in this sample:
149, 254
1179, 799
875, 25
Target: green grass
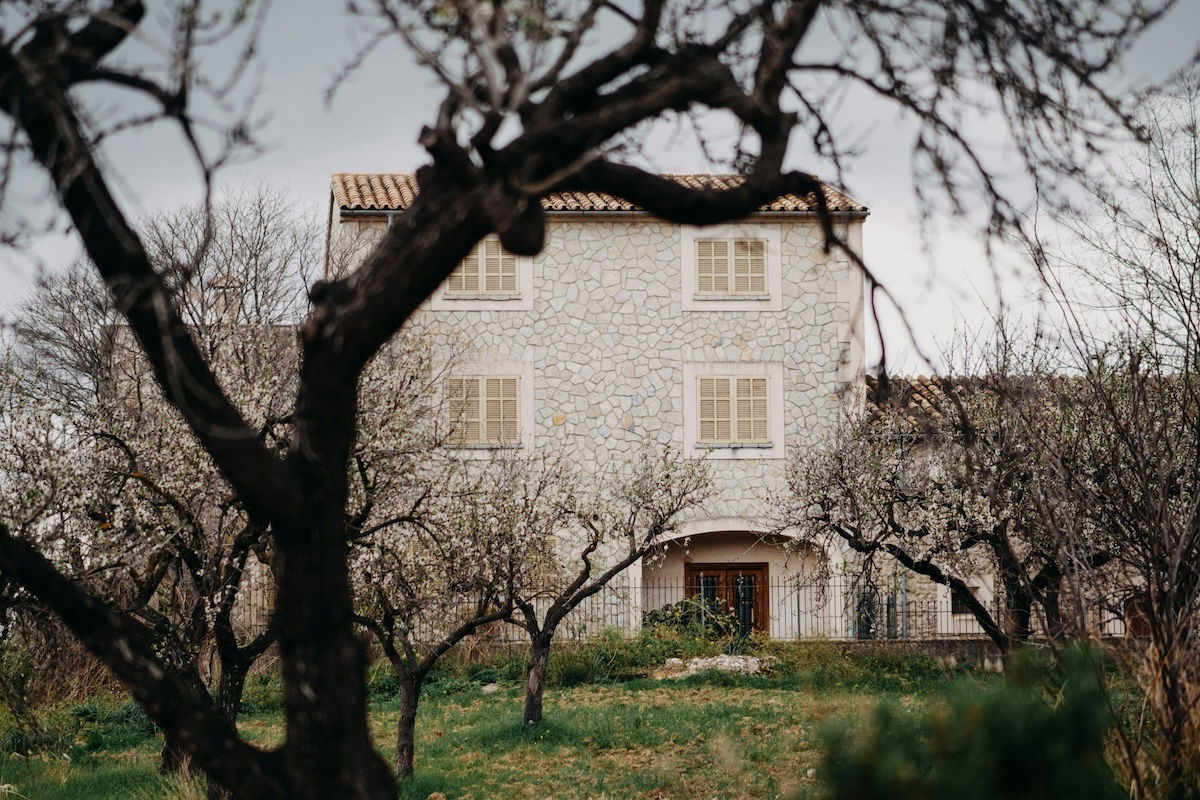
709, 735
99, 780
625, 741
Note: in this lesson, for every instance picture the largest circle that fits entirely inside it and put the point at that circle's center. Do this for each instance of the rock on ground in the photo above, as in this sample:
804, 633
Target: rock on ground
676, 668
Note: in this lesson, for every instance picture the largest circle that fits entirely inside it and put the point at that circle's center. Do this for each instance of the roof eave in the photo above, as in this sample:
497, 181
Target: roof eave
611, 214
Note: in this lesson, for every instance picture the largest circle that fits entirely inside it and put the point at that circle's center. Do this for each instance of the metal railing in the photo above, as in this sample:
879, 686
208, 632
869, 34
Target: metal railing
838, 609
841, 609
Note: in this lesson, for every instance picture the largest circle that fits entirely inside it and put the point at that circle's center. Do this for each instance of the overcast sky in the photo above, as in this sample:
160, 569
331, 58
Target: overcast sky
374, 120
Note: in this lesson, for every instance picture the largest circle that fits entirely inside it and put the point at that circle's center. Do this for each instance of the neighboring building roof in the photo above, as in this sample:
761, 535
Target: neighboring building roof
919, 400
396, 191
926, 402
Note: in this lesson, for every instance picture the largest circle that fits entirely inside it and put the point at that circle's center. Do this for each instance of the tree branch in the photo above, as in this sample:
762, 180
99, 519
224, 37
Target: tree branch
124, 646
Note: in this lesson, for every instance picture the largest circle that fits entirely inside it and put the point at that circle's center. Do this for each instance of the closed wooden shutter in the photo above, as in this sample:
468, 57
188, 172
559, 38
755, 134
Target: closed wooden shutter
715, 410
749, 266
499, 268
464, 410
712, 266
731, 266
733, 410
489, 269
704, 265
751, 409
500, 401
465, 277
509, 428
484, 410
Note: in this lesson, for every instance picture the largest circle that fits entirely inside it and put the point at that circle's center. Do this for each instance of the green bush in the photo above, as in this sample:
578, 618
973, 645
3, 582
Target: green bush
91, 710
505, 665
382, 683
262, 693
612, 657
102, 723
1020, 739
445, 685
824, 665
694, 616
131, 718
39, 740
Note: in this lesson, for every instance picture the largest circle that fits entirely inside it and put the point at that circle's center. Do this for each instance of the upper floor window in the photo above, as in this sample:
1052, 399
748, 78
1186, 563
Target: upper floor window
484, 410
489, 279
736, 267
489, 271
733, 411
732, 267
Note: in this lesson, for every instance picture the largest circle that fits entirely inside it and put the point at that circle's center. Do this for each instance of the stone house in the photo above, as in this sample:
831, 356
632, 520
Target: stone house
738, 343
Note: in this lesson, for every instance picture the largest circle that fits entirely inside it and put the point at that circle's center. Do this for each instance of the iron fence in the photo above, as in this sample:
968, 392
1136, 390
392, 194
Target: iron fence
842, 608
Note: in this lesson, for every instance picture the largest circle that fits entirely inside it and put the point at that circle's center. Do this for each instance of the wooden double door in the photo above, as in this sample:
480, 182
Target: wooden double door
741, 588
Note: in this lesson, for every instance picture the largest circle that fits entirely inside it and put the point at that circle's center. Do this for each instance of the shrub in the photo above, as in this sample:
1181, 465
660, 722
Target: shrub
90, 710
1016, 739
33, 740
696, 616
613, 657
263, 693
130, 718
444, 685
382, 683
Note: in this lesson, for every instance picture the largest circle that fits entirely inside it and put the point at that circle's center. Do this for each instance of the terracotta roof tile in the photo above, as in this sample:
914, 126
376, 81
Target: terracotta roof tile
396, 191
920, 400
927, 403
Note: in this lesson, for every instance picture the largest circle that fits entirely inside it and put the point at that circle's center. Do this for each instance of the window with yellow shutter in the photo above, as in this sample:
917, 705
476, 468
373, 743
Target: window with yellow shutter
483, 410
732, 410
489, 271
731, 267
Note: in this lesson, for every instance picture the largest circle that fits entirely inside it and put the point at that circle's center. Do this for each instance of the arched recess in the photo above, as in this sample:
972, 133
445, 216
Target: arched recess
741, 562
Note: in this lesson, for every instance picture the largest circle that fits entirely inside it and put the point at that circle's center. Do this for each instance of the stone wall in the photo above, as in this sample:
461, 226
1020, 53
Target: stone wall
608, 342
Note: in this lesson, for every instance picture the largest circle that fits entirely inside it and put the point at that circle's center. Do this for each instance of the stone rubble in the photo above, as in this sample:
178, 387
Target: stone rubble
746, 665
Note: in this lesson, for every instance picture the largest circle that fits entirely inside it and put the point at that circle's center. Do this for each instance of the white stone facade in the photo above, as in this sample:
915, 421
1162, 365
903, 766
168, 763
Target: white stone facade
608, 344
612, 337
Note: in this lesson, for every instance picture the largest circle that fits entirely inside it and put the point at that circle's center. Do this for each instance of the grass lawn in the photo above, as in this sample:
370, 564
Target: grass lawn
716, 737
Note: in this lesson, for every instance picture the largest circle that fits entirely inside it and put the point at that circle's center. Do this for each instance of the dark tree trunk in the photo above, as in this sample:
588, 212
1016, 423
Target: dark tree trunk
230, 688
329, 751
229, 703
535, 677
173, 758
406, 726
1018, 612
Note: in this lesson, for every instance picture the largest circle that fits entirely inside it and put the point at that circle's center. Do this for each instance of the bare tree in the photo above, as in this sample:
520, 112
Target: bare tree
942, 479
629, 515
1038, 65
1126, 469
434, 540
62, 339
159, 533
1126, 474
436, 577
